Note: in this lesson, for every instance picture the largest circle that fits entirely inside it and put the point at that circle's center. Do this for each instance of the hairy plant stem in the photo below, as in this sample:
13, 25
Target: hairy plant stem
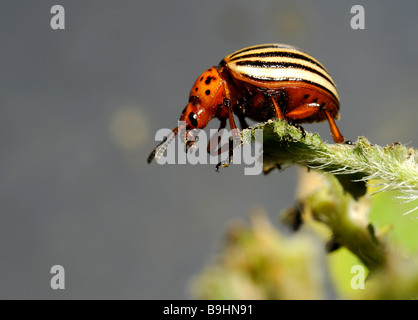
393, 167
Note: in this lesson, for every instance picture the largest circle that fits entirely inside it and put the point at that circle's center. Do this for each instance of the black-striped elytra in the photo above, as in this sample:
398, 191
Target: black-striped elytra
262, 82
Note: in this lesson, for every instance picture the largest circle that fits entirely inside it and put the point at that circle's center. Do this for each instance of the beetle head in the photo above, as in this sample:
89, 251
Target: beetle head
206, 96
205, 102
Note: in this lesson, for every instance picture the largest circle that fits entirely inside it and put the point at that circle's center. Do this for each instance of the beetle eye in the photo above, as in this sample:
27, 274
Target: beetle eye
193, 119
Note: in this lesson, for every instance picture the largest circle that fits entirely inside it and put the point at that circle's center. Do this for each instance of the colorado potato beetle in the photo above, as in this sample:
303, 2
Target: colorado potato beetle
262, 82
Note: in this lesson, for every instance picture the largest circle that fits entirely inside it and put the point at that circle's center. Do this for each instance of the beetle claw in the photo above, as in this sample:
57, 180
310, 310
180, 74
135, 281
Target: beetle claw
349, 142
221, 164
299, 127
230, 156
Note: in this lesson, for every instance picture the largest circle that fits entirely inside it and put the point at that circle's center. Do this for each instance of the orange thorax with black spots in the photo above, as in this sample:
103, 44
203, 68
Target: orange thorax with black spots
206, 100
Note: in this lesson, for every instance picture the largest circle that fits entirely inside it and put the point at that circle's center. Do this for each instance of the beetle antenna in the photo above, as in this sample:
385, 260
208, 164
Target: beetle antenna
160, 149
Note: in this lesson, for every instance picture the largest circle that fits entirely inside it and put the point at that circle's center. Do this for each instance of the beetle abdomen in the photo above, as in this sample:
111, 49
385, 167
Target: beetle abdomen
275, 65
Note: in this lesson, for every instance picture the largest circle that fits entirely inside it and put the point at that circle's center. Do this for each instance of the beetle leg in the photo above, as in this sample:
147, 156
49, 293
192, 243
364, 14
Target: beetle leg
234, 136
231, 117
286, 117
230, 155
211, 144
243, 124
279, 112
335, 132
307, 110
302, 112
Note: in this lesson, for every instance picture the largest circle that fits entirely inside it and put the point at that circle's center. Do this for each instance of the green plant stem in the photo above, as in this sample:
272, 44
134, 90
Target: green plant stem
347, 222
394, 167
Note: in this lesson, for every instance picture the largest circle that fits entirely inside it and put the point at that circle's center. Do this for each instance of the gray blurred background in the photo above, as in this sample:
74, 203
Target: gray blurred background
79, 109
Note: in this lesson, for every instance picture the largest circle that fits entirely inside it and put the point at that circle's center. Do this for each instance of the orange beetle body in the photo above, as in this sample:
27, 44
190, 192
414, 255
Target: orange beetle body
263, 82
